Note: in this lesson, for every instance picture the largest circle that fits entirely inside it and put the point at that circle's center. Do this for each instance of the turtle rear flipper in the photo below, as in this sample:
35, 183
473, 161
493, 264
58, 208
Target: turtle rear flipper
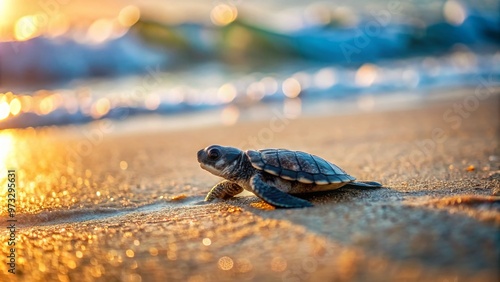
365, 184
274, 196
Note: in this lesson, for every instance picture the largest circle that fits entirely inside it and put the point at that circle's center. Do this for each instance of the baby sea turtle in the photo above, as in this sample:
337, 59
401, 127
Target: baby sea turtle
273, 174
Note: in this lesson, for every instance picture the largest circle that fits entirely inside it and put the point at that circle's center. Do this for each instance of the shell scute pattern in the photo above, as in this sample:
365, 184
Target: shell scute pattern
289, 160
270, 158
324, 167
307, 163
255, 159
297, 166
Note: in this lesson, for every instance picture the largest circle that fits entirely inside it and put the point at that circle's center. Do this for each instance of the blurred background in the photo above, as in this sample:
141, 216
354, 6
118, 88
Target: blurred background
75, 61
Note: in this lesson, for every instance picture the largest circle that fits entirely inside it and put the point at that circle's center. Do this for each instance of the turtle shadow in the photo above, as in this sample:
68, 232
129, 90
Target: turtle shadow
379, 194
383, 223
354, 194
346, 194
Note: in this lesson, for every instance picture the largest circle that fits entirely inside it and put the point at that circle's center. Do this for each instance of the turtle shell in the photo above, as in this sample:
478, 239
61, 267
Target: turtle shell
297, 166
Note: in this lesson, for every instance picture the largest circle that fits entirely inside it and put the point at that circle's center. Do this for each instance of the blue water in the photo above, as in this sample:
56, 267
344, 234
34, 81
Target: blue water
256, 59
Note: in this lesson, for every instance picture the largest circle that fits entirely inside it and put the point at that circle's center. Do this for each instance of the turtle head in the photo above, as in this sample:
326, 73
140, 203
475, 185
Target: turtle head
219, 160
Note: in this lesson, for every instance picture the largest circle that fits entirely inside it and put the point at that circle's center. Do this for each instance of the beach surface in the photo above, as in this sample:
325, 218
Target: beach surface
109, 201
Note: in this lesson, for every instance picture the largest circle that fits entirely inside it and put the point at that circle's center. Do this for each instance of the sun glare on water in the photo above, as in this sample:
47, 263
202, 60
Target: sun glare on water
6, 146
8, 16
3, 6
3, 11
24, 20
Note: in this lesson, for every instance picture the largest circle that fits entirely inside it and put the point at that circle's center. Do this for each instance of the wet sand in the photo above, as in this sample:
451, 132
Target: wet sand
97, 202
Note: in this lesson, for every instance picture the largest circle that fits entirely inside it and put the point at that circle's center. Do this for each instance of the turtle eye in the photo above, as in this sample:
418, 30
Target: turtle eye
214, 153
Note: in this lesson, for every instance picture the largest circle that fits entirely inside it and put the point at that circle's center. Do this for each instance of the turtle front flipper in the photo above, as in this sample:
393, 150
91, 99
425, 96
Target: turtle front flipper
274, 196
223, 190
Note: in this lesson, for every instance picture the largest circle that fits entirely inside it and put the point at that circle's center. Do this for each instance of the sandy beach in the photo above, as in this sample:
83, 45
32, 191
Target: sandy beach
98, 203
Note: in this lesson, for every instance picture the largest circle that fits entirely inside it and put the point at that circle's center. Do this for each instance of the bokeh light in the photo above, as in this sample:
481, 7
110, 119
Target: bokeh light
227, 93
366, 75
207, 241
291, 87
454, 12
46, 106
26, 28
15, 106
223, 14
129, 15
4, 110
123, 165
100, 108
100, 31
26, 102
226, 263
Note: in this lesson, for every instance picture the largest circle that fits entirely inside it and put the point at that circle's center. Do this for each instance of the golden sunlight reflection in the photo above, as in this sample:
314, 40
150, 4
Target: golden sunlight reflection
5, 17
46, 106
223, 14
3, 8
26, 103
123, 165
15, 106
26, 28
206, 241
225, 263
226, 93
129, 15
24, 20
100, 108
6, 145
4, 110
100, 31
